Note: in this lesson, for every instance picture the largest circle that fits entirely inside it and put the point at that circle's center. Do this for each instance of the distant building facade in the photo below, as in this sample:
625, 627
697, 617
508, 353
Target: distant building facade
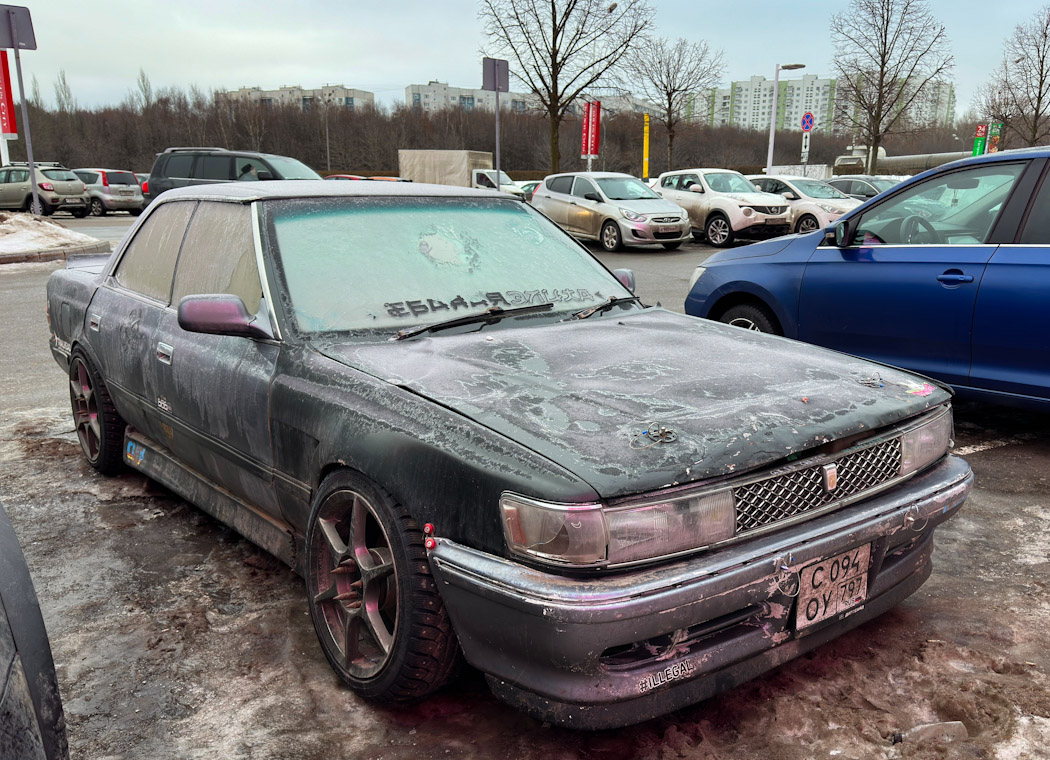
332, 94
749, 103
435, 96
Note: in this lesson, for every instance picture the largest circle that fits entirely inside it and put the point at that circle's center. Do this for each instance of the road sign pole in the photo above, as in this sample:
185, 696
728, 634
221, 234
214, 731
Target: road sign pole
37, 208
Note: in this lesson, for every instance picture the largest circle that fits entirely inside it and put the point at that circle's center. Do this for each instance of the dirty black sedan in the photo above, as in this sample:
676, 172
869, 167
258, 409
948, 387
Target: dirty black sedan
470, 437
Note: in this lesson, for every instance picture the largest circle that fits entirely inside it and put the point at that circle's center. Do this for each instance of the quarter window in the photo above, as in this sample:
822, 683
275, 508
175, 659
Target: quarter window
179, 166
213, 167
1037, 227
560, 184
219, 255
148, 262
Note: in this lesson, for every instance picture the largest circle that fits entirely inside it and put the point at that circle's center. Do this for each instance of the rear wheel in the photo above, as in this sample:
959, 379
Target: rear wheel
79, 213
807, 223
611, 240
99, 427
374, 604
718, 231
751, 316
97, 209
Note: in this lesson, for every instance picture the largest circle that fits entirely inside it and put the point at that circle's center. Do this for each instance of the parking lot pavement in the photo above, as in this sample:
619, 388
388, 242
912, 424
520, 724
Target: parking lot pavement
110, 228
175, 638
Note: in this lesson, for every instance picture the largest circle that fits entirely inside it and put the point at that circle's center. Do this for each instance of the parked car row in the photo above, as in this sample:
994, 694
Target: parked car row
58, 188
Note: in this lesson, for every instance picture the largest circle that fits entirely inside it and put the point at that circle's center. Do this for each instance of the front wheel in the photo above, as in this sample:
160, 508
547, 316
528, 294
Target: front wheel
611, 239
99, 426
373, 602
751, 317
807, 223
672, 246
718, 231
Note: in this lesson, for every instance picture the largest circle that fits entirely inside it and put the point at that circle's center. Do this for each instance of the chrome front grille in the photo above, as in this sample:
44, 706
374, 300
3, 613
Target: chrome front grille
780, 497
666, 219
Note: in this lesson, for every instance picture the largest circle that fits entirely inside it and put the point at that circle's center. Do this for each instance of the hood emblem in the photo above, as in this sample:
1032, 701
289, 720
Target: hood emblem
830, 477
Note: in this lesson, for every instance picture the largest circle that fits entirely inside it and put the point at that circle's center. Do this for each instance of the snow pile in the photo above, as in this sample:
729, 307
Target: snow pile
26, 233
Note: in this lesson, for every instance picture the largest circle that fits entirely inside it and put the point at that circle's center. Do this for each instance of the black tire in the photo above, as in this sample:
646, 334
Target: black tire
751, 316
28, 205
377, 588
97, 209
672, 246
807, 223
610, 237
718, 231
79, 213
98, 426
135, 211
46, 210
698, 236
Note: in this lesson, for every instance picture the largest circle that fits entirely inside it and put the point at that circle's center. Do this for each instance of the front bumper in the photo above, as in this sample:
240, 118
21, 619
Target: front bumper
620, 649
654, 233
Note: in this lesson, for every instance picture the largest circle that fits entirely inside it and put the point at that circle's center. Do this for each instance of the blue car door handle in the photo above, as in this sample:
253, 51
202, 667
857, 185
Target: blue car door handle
954, 277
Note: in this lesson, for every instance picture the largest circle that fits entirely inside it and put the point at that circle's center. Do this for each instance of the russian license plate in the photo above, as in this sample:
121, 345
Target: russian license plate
71, 200
832, 586
776, 219
668, 228
127, 192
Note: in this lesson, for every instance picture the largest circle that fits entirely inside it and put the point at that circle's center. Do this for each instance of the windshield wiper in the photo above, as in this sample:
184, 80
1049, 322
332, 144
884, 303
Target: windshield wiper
604, 307
490, 316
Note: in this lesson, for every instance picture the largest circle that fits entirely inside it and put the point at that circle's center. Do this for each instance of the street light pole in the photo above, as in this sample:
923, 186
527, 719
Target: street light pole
773, 115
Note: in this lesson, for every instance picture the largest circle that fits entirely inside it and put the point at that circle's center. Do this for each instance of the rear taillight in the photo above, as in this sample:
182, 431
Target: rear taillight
105, 179
145, 186
47, 186
533, 193
83, 187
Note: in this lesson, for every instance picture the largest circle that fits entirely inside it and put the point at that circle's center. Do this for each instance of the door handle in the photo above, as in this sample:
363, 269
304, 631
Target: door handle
164, 352
954, 278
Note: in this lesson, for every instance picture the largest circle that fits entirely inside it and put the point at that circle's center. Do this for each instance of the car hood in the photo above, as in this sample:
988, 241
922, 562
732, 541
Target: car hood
649, 206
756, 199
761, 248
582, 392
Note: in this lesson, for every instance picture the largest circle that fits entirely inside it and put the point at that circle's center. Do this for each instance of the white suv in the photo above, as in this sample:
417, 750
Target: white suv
814, 203
723, 205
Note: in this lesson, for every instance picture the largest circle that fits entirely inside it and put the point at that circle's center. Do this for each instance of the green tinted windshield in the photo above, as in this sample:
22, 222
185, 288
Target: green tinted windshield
289, 168
387, 263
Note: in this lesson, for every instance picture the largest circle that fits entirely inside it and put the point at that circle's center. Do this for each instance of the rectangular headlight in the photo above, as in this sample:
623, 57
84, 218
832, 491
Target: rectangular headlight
926, 444
669, 527
565, 534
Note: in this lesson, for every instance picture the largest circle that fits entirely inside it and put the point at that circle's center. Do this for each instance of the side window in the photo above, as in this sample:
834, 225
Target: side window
582, 187
247, 169
3, 175
213, 167
148, 262
1037, 228
88, 178
219, 255
669, 181
560, 185
179, 166
957, 208
19, 175
685, 181
485, 181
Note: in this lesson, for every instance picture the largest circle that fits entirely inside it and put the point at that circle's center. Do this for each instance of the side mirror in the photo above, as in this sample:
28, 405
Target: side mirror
789, 196
842, 234
626, 278
593, 197
263, 174
697, 188
220, 314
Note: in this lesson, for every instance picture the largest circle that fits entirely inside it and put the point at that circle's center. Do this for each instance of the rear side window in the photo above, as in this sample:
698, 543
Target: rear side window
213, 167
178, 166
219, 255
18, 175
560, 184
1037, 227
148, 263
120, 178
582, 187
88, 178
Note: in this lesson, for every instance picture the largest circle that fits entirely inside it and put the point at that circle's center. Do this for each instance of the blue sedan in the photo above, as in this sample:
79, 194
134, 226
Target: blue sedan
947, 274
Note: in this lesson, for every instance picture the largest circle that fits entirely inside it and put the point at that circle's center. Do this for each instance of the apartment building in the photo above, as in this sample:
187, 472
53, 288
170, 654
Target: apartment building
749, 103
435, 96
331, 94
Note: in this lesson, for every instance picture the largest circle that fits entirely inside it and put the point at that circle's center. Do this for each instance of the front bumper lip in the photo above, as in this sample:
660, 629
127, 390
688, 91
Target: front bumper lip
540, 637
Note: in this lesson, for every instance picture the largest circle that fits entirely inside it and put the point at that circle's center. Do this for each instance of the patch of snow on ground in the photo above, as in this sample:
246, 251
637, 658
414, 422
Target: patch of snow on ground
25, 233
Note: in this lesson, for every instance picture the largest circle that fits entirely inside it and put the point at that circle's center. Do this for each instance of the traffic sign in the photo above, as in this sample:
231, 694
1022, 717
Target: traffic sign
807, 121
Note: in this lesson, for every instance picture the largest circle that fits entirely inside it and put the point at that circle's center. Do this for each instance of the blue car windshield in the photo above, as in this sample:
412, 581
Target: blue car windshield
389, 263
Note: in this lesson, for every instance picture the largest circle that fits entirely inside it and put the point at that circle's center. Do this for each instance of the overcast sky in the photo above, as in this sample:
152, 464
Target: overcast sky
384, 46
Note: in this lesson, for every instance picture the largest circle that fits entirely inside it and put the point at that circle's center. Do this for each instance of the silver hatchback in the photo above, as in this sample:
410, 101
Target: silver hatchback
112, 190
614, 209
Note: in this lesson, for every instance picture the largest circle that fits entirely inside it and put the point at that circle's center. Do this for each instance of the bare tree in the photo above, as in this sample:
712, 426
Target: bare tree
670, 75
1018, 93
562, 47
145, 93
64, 95
889, 57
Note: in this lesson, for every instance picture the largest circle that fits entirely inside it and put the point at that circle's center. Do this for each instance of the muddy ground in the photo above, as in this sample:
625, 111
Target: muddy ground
175, 638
